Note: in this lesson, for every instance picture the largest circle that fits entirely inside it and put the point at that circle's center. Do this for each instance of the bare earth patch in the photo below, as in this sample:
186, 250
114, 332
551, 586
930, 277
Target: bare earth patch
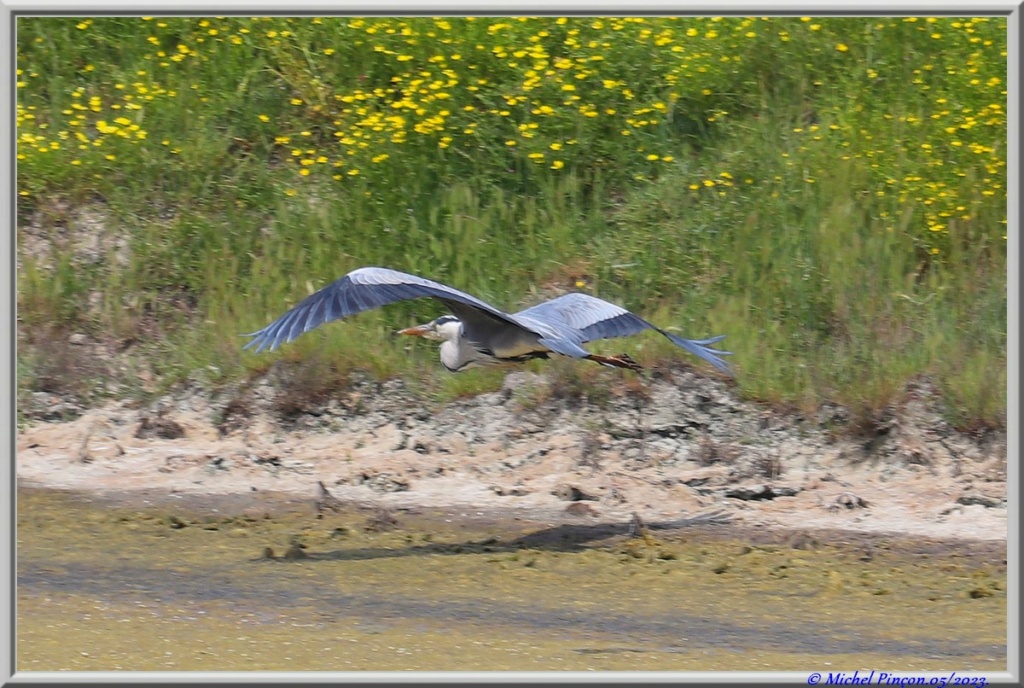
689, 447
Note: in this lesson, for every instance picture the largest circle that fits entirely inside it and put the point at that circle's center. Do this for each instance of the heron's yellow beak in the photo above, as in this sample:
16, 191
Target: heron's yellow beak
418, 331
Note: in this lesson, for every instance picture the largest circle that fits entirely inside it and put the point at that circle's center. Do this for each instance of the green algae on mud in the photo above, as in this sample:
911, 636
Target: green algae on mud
166, 586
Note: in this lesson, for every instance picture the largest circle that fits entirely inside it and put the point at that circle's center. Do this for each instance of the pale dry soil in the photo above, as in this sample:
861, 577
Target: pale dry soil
495, 534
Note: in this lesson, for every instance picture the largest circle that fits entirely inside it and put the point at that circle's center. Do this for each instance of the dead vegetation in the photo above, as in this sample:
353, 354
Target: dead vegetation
304, 386
159, 425
63, 363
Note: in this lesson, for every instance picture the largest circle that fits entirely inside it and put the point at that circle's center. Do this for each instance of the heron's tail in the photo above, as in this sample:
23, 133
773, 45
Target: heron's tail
699, 347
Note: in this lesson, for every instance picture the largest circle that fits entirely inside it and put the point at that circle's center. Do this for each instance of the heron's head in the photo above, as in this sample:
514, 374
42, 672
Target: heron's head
445, 328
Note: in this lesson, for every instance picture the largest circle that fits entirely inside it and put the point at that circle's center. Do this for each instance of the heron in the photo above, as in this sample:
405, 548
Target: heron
474, 333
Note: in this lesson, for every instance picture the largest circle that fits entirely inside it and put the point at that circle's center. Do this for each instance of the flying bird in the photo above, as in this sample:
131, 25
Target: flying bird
476, 333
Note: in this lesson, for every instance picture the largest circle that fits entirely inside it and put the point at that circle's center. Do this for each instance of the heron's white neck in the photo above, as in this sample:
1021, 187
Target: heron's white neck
457, 353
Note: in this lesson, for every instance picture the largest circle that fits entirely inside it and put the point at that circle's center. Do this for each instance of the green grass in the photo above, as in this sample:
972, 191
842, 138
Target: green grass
829, 193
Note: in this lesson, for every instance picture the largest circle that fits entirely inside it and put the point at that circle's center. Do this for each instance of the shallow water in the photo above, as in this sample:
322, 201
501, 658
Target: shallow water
189, 585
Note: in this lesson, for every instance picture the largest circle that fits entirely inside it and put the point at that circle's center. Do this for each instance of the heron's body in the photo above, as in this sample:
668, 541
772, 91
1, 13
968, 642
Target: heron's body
476, 333
459, 352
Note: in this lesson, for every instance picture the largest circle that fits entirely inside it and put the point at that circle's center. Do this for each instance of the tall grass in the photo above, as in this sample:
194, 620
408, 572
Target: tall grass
829, 193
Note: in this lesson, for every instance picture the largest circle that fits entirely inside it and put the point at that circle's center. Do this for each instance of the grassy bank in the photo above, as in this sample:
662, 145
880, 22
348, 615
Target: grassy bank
828, 192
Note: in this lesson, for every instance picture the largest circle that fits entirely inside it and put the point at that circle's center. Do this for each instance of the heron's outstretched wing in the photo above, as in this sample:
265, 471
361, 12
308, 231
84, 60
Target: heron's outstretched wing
358, 291
595, 318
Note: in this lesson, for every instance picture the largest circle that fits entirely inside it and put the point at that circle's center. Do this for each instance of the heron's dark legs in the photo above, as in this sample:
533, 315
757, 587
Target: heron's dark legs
620, 361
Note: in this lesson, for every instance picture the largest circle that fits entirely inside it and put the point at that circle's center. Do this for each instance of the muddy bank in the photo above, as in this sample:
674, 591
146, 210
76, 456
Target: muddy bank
165, 583
666, 448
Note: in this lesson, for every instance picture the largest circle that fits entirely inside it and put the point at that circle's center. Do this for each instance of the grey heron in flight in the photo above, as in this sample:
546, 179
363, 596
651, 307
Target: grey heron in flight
476, 333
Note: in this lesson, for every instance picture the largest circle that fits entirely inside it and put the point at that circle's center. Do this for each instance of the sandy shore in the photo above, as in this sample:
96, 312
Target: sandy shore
489, 455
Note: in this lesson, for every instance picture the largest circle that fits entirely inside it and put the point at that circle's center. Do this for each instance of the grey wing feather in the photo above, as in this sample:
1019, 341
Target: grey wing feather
591, 316
360, 290
595, 318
